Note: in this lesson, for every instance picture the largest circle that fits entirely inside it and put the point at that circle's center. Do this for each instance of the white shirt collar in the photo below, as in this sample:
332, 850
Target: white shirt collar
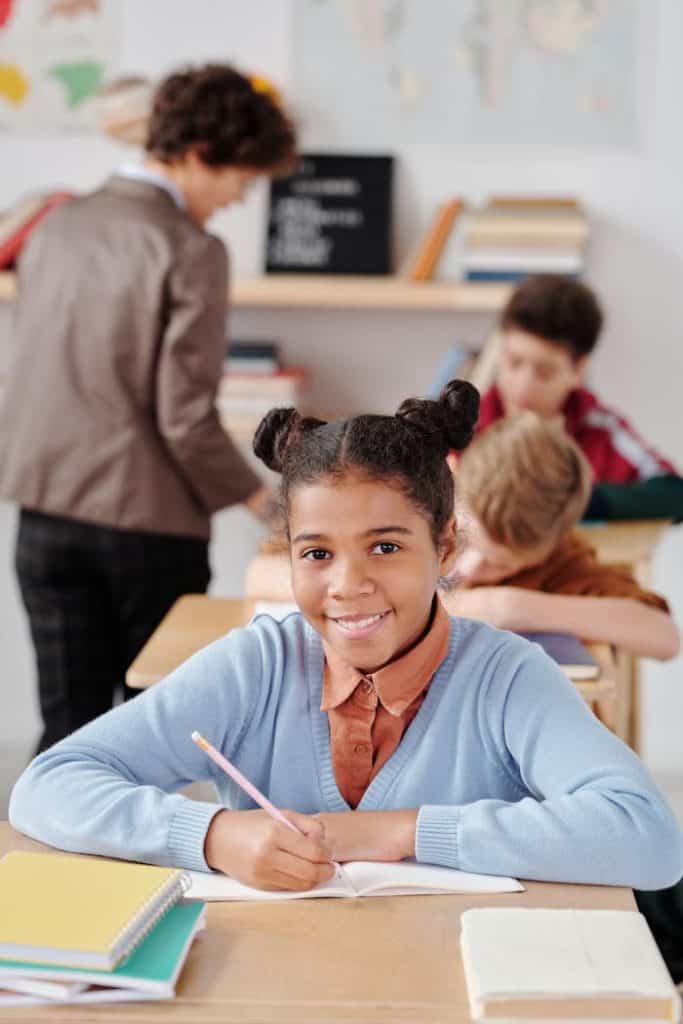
139, 173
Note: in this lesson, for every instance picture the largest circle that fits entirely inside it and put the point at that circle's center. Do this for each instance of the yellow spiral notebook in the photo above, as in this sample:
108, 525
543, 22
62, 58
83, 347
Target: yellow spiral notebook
80, 911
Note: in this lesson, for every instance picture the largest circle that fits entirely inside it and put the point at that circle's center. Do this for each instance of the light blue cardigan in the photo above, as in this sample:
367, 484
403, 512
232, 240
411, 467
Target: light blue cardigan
511, 772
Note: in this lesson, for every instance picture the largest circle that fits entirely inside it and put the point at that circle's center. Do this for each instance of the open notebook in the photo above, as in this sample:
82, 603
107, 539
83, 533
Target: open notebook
524, 964
150, 972
361, 878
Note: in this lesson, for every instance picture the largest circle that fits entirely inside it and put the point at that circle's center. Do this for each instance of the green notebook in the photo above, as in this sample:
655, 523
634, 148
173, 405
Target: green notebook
150, 972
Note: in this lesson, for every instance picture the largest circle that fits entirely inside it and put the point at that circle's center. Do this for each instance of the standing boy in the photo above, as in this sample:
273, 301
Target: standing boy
111, 443
549, 329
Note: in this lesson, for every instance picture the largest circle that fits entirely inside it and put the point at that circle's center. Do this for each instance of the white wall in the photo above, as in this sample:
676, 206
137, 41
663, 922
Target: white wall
371, 360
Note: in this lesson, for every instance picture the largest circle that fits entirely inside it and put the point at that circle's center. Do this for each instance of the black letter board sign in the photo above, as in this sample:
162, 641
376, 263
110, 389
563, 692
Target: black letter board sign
332, 216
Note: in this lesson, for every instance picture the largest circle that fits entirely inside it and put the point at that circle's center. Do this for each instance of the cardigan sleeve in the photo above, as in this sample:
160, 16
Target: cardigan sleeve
111, 788
588, 811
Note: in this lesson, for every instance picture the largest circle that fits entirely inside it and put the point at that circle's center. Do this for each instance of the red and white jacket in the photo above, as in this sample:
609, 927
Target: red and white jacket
616, 452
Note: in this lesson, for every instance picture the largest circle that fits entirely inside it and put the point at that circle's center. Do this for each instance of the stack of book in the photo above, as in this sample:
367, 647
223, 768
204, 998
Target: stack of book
512, 237
90, 930
254, 382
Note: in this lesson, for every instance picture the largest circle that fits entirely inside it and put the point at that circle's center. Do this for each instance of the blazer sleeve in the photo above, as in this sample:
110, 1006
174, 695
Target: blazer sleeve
188, 374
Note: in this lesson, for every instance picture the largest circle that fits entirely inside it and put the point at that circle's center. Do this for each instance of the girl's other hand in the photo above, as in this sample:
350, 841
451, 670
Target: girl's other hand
259, 851
370, 835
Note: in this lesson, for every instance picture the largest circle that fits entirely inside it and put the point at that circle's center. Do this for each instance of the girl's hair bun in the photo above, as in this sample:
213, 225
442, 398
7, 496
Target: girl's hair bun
272, 436
277, 431
448, 422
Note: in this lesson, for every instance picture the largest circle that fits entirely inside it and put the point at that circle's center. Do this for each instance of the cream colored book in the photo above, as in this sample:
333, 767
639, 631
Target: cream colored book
535, 964
361, 878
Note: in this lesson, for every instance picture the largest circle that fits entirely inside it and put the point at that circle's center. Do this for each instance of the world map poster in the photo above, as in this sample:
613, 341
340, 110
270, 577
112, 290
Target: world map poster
54, 57
385, 72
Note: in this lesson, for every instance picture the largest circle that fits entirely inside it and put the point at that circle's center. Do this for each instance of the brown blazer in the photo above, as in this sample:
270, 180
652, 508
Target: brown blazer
118, 342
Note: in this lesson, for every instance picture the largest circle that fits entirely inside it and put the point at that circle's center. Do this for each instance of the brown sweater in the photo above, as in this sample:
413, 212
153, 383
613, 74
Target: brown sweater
573, 568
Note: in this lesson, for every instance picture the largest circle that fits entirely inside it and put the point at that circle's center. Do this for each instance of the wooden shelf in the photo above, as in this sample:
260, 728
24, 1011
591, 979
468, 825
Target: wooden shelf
324, 291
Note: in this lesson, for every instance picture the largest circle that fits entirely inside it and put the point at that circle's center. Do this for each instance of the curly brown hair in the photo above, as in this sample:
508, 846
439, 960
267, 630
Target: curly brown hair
217, 112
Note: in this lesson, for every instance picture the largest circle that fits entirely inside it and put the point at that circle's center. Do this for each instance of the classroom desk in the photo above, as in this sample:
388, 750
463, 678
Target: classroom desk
626, 542
194, 621
391, 959
197, 619
631, 543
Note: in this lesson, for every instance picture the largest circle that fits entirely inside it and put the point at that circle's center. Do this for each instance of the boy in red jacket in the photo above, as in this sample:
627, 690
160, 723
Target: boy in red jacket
549, 329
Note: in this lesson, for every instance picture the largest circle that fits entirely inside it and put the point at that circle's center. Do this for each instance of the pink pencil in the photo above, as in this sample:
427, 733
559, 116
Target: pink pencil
246, 785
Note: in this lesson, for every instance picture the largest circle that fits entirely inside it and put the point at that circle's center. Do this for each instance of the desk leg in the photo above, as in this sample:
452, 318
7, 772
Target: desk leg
615, 711
635, 724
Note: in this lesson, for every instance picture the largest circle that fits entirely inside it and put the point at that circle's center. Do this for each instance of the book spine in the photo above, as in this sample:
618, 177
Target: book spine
533, 202
511, 276
501, 260
486, 239
435, 240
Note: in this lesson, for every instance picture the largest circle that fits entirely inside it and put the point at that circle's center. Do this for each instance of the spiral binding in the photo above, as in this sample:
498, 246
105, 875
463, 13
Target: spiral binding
129, 938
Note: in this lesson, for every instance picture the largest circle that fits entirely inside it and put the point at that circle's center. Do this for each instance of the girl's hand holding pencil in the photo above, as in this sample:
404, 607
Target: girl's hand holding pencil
267, 849
258, 851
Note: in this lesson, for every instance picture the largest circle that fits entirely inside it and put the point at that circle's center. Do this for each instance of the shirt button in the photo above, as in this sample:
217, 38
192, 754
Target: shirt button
360, 748
366, 687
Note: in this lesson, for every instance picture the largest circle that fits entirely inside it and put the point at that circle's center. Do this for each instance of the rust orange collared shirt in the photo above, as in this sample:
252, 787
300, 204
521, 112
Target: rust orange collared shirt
368, 714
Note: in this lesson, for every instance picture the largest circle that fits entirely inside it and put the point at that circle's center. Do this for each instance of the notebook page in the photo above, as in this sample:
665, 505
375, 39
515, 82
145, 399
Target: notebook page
359, 878
92, 994
48, 990
404, 878
215, 888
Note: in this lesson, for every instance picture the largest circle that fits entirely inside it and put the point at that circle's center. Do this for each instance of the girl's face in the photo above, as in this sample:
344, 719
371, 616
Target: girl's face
364, 567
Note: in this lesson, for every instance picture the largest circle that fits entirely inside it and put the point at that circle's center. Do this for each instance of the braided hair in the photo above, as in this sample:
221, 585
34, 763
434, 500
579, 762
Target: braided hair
406, 450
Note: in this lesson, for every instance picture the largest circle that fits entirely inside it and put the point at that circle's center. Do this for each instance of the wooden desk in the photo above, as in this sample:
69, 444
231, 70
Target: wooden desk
391, 960
631, 543
196, 620
626, 542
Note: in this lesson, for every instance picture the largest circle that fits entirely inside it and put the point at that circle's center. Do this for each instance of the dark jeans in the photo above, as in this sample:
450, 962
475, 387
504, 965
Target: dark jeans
93, 597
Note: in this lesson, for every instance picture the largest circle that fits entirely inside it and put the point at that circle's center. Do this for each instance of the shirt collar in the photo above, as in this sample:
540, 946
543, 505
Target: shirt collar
139, 173
398, 683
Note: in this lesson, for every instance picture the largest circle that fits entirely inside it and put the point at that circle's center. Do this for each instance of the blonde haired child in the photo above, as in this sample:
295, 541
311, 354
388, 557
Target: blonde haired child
522, 485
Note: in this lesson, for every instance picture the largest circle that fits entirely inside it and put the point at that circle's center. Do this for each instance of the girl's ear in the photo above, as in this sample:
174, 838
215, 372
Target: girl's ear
448, 548
452, 460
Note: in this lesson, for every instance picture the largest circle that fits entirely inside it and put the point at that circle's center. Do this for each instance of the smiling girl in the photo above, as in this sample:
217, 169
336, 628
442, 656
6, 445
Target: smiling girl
391, 729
